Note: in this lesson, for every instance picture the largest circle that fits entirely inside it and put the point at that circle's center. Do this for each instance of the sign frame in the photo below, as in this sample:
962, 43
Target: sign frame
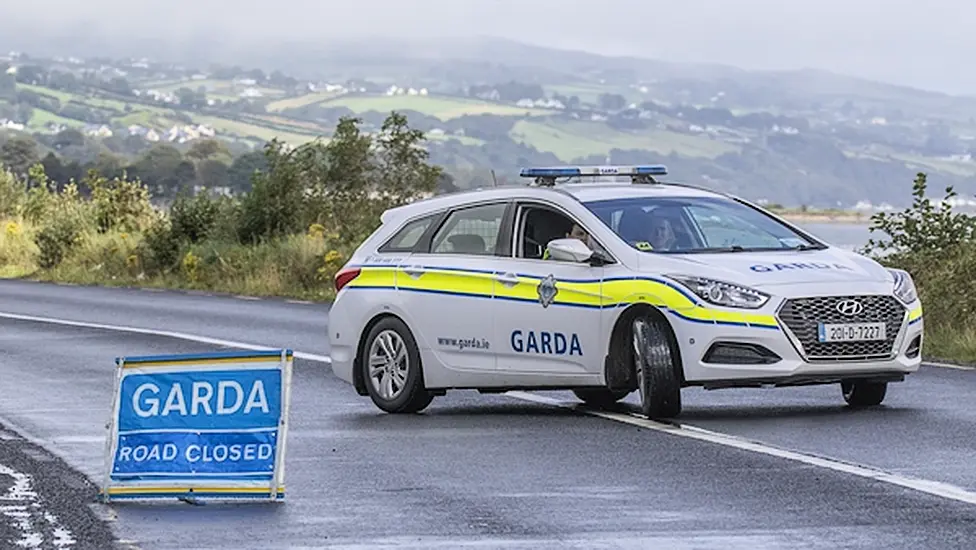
190, 487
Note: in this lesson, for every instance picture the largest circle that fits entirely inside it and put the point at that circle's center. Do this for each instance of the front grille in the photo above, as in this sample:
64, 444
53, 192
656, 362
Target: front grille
801, 316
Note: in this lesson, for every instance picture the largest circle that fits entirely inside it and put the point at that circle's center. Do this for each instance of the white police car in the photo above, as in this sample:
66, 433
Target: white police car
608, 288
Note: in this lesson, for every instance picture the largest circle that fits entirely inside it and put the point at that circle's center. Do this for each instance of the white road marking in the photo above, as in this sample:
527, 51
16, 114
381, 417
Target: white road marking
164, 333
935, 488
25, 499
948, 365
939, 489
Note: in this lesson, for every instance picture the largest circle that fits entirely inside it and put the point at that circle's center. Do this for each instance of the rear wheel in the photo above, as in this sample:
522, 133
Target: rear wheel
863, 393
656, 364
600, 397
392, 370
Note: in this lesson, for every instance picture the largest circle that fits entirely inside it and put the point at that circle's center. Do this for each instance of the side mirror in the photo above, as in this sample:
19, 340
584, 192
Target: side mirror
569, 250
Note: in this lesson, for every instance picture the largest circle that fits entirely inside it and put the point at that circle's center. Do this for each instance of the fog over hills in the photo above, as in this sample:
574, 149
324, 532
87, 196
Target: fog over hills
890, 40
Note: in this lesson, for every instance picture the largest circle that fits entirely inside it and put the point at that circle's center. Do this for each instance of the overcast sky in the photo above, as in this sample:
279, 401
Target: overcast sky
925, 43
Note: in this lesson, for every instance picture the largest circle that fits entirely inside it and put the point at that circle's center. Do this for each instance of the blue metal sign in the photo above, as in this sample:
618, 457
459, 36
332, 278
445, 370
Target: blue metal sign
199, 426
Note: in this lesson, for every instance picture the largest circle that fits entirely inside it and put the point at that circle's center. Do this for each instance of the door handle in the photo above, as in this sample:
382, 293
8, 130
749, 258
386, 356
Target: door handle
507, 279
414, 271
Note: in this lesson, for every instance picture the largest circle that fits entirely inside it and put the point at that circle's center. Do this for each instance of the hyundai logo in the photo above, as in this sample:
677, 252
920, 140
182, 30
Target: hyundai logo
850, 307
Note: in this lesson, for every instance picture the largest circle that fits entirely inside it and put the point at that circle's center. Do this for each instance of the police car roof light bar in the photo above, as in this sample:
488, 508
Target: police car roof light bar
546, 176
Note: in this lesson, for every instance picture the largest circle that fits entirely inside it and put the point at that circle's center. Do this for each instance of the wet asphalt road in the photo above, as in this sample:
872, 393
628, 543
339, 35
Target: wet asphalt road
490, 471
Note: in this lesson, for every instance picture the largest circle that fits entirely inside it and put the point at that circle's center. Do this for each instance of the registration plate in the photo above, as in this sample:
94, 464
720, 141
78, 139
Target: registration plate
851, 332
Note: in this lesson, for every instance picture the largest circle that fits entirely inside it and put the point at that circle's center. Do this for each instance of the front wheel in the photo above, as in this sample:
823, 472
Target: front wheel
656, 364
863, 393
392, 370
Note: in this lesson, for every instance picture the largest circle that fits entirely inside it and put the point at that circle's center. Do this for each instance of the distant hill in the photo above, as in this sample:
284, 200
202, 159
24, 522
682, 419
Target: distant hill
793, 137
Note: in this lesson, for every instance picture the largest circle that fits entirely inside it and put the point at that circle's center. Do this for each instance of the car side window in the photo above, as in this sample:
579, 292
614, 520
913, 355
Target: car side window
538, 225
408, 236
472, 230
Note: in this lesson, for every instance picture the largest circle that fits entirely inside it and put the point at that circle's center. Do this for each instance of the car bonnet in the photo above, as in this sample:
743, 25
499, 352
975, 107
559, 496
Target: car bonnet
763, 269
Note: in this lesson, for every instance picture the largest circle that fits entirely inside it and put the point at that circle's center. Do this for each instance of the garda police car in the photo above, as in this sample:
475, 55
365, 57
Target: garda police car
606, 288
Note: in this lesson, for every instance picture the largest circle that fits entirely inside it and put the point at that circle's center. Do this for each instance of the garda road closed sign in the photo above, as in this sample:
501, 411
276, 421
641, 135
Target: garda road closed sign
203, 426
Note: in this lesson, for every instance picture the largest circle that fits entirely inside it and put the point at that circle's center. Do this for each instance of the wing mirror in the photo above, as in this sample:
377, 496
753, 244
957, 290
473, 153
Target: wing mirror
574, 250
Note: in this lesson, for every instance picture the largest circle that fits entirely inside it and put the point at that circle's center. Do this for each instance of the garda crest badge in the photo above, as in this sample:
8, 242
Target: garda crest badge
547, 290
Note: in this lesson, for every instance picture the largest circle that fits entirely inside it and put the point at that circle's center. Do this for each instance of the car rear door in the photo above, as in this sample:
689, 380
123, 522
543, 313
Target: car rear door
448, 287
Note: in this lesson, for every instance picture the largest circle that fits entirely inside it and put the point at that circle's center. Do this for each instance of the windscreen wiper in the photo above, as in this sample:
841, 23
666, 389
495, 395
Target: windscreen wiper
732, 248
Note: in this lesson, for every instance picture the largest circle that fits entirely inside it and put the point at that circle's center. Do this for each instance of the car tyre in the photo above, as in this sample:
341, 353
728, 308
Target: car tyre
392, 370
863, 393
656, 365
600, 397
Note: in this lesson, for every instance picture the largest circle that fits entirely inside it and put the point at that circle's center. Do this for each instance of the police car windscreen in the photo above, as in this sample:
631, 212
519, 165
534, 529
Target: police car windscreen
695, 224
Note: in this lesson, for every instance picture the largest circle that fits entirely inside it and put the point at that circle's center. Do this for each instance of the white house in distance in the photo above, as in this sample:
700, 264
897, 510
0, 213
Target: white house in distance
397, 90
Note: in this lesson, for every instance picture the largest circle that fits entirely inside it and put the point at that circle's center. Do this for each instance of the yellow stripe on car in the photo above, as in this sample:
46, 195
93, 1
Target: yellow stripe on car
612, 292
916, 313
375, 277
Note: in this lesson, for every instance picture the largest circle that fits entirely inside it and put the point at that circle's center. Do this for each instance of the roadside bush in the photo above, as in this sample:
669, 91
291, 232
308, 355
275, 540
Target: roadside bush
12, 194
922, 228
160, 247
119, 204
68, 220
938, 247
309, 207
18, 252
194, 219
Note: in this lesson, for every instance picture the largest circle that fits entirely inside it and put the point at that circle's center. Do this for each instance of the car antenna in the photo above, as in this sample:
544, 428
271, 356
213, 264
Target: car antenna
494, 182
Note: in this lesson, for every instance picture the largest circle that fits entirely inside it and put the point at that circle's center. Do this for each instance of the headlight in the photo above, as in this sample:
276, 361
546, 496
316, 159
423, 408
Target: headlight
722, 293
904, 286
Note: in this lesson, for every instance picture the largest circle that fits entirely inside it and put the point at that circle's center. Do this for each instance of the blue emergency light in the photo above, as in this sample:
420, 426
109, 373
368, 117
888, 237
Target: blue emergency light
592, 171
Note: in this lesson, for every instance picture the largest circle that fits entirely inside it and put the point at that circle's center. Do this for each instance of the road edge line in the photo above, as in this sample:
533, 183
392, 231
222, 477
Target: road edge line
162, 333
934, 488
948, 365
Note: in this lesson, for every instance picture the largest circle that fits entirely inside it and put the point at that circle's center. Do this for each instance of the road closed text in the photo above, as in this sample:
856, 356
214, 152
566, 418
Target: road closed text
231, 453
197, 453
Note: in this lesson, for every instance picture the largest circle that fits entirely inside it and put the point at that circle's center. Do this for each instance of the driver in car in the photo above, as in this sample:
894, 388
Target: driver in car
577, 233
662, 235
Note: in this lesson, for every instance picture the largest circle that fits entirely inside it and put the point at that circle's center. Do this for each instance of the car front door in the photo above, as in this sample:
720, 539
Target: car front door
547, 312
448, 287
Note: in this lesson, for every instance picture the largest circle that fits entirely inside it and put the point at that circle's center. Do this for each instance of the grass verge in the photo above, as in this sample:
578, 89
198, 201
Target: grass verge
296, 266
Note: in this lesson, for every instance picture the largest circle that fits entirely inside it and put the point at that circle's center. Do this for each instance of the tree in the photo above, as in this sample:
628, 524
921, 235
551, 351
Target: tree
445, 184
8, 85
270, 209
19, 153
158, 168
243, 168
612, 102
213, 173
205, 148
922, 229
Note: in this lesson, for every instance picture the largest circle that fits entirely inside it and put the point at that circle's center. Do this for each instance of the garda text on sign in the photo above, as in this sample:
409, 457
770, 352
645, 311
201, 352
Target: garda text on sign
201, 426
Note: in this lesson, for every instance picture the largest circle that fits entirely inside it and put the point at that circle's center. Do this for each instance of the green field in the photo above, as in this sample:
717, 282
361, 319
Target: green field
63, 97
216, 89
246, 130
955, 167
569, 140
444, 108
591, 92
958, 168
41, 118
300, 101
